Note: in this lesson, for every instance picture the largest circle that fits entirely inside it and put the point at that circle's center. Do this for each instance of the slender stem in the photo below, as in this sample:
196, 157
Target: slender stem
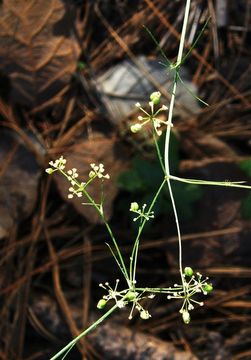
111, 235
172, 101
84, 333
134, 255
102, 216
170, 116
158, 290
177, 227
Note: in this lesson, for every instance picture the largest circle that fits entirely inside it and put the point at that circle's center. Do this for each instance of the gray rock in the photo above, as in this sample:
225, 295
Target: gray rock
126, 83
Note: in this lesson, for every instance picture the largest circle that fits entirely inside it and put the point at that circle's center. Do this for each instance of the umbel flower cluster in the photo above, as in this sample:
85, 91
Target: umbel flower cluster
77, 188
192, 285
123, 298
151, 116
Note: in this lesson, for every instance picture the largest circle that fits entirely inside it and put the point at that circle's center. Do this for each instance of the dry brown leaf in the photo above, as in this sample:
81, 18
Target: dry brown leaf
19, 176
97, 149
38, 50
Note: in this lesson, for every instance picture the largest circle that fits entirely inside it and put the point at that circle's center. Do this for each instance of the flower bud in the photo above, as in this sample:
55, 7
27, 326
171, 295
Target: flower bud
101, 304
155, 97
188, 271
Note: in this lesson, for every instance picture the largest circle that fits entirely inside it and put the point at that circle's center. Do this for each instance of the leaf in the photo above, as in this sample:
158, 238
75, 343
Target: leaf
149, 172
185, 196
130, 181
246, 207
246, 166
19, 177
38, 51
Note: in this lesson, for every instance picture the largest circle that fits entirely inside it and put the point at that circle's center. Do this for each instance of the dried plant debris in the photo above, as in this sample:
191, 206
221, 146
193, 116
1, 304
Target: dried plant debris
38, 50
19, 176
110, 339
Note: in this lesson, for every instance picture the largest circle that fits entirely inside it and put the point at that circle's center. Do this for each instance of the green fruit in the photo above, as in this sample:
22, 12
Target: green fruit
131, 295
208, 288
155, 97
101, 304
188, 271
134, 206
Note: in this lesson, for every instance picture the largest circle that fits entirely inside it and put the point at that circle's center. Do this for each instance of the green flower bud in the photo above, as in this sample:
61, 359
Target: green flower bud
186, 316
131, 295
144, 314
134, 206
101, 304
207, 288
92, 174
188, 271
155, 97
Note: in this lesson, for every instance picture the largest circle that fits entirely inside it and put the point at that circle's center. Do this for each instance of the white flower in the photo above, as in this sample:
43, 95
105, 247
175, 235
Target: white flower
98, 171
58, 164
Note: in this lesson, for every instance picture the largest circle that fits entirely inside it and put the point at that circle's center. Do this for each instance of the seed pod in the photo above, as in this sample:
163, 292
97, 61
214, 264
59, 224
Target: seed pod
188, 271
49, 171
144, 314
186, 316
101, 304
131, 295
155, 97
134, 206
208, 288
135, 128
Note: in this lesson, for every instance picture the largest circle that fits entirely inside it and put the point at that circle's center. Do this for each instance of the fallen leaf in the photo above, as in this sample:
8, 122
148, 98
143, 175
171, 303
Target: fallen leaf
19, 176
38, 50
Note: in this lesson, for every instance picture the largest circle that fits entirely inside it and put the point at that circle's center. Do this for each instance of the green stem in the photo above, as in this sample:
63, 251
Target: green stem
158, 290
101, 214
134, 255
170, 117
84, 333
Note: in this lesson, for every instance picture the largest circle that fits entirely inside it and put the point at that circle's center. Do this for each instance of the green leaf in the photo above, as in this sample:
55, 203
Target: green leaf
81, 65
130, 181
185, 196
246, 207
246, 166
149, 172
